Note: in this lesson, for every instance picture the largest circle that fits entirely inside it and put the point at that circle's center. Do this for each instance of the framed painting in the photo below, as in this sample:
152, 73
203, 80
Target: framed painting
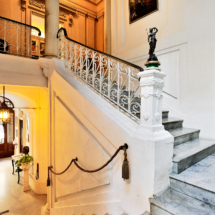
141, 8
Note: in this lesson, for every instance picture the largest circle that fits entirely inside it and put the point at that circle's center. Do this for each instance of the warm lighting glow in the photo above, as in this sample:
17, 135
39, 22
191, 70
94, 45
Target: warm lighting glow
4, 115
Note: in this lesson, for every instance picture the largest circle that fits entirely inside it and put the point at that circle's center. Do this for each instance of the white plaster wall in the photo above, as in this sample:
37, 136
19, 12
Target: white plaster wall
86, 126
21, 71
185, 49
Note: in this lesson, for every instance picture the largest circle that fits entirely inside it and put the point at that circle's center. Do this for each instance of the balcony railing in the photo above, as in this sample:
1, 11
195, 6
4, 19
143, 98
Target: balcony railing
19, 39
114, 79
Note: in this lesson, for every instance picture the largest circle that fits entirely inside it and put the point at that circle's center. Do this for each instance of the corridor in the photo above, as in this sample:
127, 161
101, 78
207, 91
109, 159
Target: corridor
12, 197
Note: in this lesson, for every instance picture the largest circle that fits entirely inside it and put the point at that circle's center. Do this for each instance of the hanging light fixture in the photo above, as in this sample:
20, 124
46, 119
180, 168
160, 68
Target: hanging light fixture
4, 110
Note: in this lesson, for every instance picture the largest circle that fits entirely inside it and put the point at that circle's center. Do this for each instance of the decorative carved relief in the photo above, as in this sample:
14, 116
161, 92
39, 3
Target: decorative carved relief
146, 117
62, 14
36, 4
158, 95
23, 5
151, 81
70, 19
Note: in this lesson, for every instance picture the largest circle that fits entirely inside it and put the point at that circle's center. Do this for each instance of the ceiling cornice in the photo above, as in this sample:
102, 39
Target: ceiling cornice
96, 2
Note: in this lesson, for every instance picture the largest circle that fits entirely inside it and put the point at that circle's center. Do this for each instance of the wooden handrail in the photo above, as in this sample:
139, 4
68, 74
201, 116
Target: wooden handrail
103, 53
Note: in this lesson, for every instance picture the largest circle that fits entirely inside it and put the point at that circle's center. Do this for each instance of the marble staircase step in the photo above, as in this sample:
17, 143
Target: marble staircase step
197, 181
187, 154
183, 135
165, 114
172, 123
174, 203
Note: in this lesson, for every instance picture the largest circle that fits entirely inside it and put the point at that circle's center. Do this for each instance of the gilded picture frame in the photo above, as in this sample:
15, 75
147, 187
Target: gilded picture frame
139, 9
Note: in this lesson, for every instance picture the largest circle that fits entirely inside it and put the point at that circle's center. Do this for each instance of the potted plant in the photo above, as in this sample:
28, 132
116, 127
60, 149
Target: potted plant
24, 161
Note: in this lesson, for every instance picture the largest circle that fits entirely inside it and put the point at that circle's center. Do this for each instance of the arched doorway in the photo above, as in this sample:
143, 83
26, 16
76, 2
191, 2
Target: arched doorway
7, 131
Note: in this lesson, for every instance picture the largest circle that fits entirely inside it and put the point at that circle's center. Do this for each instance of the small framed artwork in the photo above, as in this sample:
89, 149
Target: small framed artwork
42, 48
141, 8
34, 45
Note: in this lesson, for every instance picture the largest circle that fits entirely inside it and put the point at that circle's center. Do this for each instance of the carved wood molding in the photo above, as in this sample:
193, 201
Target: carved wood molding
71, 7
23, 5
36, 4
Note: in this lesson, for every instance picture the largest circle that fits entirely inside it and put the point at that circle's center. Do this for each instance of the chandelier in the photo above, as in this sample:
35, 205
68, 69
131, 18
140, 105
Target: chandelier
4, 109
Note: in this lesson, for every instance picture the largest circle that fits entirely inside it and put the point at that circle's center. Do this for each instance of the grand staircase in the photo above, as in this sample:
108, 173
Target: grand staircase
192, 182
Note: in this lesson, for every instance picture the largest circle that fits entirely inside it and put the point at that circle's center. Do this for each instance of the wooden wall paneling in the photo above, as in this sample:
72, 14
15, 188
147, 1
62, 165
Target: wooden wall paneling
90, 32
81, 28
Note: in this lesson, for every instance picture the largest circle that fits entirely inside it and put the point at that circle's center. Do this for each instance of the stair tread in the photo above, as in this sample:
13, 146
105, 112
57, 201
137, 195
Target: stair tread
190, 148
165, 111
182, 131
177, 203
171, 119
201, 175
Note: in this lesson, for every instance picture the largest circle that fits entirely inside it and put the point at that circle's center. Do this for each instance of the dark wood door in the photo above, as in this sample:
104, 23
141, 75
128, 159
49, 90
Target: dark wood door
21, 134
6, 143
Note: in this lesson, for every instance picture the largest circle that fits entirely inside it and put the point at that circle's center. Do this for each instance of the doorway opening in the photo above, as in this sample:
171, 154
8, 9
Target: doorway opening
7, 131
21, 134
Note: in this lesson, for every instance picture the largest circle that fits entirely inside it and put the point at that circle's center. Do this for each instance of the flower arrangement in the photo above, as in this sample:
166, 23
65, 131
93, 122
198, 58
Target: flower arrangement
24, 161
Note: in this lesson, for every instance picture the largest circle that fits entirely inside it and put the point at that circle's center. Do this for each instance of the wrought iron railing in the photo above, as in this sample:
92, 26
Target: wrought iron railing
113, 78
19, 39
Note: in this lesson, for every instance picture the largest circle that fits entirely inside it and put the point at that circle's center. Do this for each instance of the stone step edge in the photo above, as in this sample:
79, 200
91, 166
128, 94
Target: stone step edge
177, 179
164, 209
195, 153
157, 205
197, 130
176, 120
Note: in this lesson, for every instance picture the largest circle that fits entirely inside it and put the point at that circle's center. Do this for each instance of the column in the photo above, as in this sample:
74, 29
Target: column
51, 28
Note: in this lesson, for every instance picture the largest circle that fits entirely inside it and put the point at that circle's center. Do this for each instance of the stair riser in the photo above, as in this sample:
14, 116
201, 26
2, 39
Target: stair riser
158, 211
193, 191
185, 138
190, 161
172, 125
165, 115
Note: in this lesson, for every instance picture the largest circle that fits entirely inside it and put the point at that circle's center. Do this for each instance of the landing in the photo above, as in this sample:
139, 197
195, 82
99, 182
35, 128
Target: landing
201, 174
12, 197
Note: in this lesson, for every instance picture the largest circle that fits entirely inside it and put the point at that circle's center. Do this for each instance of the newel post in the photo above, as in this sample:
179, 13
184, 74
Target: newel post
156, 140
151, 88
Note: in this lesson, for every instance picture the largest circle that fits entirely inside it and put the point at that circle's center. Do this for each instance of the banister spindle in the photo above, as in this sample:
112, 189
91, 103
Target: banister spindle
108, 75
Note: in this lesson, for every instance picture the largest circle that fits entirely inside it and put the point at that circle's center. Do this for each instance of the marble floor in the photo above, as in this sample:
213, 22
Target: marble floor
12, 197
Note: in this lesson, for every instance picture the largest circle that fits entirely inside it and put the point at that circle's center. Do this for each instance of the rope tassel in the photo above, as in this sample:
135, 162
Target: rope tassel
125, 166
48, 179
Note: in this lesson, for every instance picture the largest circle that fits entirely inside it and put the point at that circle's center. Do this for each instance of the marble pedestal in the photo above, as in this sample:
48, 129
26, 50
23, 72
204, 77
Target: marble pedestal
26, 186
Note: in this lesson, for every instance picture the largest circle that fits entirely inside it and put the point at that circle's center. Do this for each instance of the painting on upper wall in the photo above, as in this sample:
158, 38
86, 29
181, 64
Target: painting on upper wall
141, 8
